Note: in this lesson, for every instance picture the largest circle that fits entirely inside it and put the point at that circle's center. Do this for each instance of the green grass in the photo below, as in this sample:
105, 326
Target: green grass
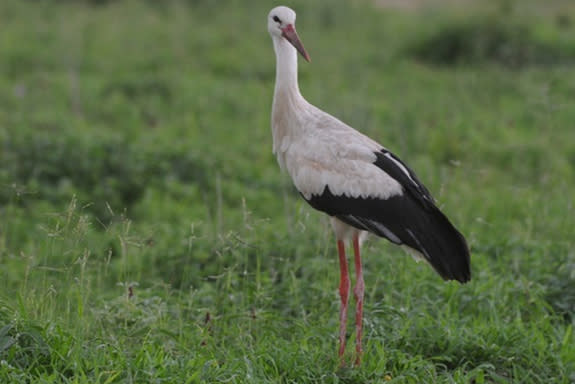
148, 236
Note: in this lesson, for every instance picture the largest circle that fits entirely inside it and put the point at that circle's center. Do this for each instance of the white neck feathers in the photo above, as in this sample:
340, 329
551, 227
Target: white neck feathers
286, 66
288, 104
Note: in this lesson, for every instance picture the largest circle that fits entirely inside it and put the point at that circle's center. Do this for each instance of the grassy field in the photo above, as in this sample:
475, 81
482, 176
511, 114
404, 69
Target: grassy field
148, 236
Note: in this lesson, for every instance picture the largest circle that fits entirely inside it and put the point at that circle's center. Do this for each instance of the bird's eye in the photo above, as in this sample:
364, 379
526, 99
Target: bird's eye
277, 19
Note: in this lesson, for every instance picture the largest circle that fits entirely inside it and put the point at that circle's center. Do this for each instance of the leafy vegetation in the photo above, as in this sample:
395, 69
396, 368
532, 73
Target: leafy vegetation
147, 234
491, 40
495, 40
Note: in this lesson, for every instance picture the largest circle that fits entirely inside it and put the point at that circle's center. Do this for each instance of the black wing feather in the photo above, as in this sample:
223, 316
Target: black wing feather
411, 219
388, 162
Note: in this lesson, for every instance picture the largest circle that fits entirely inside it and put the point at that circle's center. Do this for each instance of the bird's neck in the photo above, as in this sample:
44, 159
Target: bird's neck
286, 69
288, 102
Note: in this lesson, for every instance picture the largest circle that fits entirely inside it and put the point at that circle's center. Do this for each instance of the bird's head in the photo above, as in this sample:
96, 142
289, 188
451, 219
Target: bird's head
281, 25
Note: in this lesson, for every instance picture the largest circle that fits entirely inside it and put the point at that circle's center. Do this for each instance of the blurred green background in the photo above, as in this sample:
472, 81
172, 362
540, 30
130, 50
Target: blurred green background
148, 235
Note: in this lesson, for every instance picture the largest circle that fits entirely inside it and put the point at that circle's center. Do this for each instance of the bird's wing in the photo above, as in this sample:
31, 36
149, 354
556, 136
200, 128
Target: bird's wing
369, 188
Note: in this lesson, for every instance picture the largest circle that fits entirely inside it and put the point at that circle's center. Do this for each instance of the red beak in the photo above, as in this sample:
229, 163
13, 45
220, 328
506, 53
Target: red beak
291, 35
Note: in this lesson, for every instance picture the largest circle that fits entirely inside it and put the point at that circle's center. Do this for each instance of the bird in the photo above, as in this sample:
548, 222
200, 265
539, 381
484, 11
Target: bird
363, 187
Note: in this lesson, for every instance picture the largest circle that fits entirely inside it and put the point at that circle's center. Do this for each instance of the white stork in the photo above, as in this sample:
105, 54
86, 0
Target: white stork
361, 185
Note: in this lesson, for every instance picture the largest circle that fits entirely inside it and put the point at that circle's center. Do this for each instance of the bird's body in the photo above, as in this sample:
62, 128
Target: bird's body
353, 179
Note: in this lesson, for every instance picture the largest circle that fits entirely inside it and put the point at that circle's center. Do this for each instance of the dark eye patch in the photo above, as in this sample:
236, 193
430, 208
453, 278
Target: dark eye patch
277, 19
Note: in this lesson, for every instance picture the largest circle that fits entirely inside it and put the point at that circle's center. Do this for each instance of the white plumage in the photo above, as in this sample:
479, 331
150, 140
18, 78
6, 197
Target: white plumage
355, 180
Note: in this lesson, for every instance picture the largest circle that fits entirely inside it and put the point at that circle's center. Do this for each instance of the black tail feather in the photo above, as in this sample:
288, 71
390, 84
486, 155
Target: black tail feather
443, 246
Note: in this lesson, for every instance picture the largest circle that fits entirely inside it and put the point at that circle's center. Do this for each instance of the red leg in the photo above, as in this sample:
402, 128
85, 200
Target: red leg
358, 294
343, 294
